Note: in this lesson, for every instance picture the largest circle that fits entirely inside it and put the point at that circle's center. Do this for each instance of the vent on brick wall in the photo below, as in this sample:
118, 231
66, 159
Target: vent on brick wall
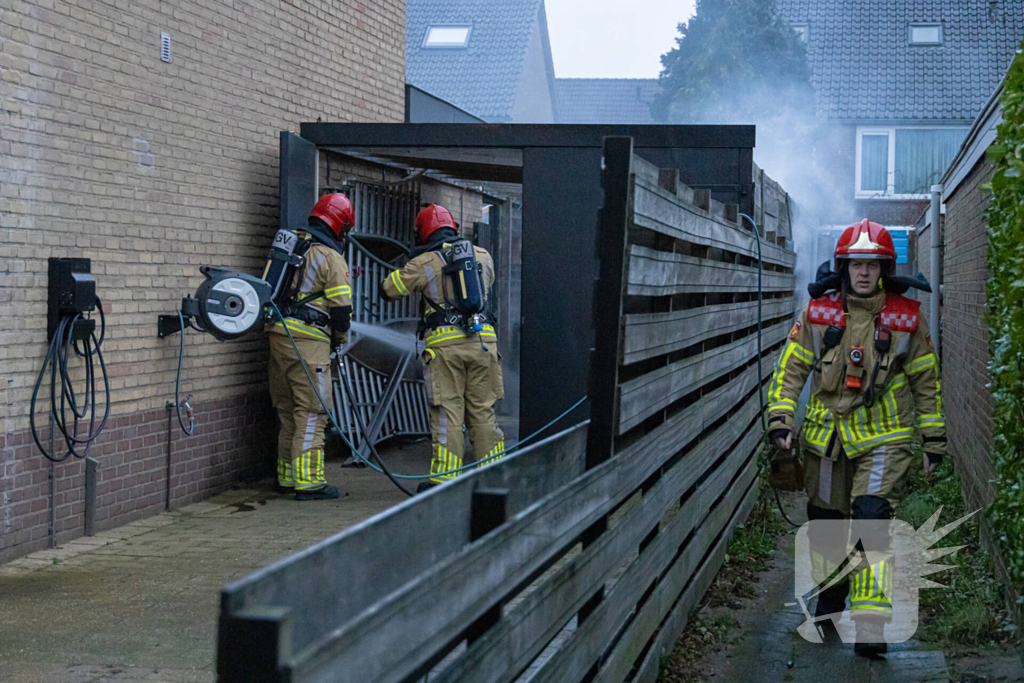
165, 47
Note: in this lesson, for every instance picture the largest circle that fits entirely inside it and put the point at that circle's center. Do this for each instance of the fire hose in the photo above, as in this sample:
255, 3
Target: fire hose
382, 467
760, 373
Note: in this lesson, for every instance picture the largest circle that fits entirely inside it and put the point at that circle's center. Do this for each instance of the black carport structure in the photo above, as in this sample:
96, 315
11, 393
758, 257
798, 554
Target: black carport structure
559, 169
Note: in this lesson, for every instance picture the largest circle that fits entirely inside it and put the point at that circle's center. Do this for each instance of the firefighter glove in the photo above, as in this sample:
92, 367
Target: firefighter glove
778, 437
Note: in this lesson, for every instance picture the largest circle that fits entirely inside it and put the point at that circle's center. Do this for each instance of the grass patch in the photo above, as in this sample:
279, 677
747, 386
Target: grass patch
752, 545
970, 613
700, 638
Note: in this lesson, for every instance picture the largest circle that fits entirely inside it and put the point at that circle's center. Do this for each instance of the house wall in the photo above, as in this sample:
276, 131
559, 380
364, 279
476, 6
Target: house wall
965, 355
422, 107
839, 156
152, 169
534, 100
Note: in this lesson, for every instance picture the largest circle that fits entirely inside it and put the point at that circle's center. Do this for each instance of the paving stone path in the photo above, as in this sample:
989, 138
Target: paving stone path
139, 603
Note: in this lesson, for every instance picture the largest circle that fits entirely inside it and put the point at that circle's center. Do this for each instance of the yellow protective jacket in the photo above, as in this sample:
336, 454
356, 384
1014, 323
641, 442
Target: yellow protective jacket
423, 274
325, 271
908, 394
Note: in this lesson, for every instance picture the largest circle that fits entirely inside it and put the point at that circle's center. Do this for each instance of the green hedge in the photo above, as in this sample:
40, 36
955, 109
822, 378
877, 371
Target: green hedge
1005, 317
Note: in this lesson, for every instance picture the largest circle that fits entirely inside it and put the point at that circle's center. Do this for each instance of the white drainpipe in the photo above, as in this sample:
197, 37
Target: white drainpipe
936, 281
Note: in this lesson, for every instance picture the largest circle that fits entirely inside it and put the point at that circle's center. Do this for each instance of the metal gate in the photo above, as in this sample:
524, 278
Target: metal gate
384, 225
368, 408
372, 405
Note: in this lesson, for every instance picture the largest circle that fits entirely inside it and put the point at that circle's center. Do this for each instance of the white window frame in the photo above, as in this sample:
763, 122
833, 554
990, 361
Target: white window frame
447, 46
924, 24
803, 28
890, 190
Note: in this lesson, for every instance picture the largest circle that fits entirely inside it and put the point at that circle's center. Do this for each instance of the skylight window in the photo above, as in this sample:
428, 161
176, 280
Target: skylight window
926, 34
801, 30
447, 36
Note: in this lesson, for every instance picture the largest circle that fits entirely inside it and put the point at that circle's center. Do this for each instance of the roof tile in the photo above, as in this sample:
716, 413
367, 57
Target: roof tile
483, 77
861, 61
606, 100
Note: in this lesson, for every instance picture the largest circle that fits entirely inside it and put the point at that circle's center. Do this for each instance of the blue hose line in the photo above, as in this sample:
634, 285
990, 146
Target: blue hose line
760, 270
760, 375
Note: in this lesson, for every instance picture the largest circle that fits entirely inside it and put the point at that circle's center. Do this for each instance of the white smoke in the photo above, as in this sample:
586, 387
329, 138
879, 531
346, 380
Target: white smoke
796, 149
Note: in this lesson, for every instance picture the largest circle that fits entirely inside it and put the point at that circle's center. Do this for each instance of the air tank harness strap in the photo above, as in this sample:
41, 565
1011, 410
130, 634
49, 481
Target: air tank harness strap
439, 318
301, 310
308, 299
883, 342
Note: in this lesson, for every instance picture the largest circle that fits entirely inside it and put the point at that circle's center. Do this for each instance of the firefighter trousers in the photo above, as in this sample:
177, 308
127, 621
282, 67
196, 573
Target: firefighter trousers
463, 383
860, 492
300, 444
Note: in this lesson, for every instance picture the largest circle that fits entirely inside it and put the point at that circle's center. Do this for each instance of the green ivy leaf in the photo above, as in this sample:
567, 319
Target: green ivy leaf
996, 152
1005, 319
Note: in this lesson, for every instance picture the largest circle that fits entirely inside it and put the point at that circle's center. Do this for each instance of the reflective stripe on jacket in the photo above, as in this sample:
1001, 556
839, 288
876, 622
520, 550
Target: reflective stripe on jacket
326, 271
439, 335
908, 389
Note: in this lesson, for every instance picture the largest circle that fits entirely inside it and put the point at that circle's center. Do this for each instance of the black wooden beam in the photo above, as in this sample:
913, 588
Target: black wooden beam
617, 168
380, 135
490, 173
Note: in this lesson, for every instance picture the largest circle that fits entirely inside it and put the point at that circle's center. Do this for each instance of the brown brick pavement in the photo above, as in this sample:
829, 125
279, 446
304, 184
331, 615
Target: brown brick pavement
139, 603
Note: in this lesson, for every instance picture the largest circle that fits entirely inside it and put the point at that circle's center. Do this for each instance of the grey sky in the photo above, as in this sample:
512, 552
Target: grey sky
613, 38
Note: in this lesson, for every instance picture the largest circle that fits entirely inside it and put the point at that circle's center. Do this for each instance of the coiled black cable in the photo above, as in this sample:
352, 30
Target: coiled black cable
57, 359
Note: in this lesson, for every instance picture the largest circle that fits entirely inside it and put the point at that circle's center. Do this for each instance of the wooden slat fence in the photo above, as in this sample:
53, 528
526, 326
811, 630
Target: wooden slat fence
773, 209
578, 558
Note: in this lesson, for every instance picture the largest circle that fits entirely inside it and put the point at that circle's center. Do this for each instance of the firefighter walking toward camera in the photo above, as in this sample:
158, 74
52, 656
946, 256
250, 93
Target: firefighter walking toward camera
317, 313
874, 383
461, 365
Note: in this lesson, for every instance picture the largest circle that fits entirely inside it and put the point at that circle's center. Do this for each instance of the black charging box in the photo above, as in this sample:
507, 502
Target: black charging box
72, 290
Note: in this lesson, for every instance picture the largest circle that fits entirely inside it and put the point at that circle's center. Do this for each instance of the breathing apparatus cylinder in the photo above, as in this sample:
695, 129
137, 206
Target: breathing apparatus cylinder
464, 276
282, 262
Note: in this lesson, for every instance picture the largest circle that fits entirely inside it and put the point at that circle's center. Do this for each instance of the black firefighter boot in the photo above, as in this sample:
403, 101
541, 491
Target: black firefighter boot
328, 492
870, 638
873, 514
823, 545
830, 601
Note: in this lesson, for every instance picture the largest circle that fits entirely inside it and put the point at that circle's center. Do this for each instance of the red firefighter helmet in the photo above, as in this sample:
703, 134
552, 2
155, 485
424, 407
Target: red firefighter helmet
865, 240
336, 211
431, 219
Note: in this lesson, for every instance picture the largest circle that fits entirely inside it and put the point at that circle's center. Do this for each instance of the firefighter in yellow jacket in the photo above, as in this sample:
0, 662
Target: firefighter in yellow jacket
318, 317
460, 364
874, 383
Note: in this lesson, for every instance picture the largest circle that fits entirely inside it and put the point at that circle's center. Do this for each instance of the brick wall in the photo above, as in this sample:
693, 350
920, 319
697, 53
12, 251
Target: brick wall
965, 355
466, 205
152, 169
132, 476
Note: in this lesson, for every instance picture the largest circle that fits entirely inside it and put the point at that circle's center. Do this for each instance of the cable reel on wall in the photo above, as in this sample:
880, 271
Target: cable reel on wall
228, 305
